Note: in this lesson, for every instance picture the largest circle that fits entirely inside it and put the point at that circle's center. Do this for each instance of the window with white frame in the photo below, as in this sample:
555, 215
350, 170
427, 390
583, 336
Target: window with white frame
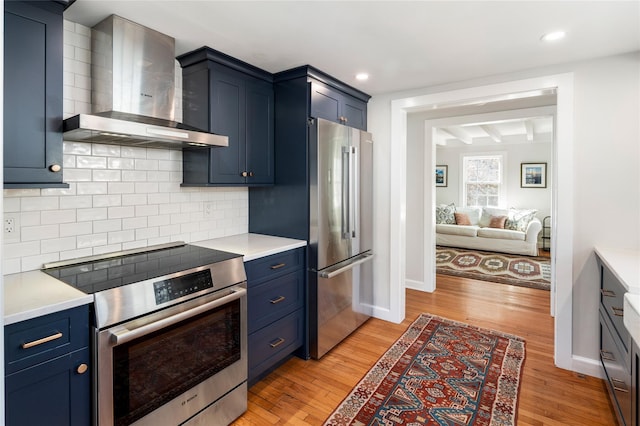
482, 180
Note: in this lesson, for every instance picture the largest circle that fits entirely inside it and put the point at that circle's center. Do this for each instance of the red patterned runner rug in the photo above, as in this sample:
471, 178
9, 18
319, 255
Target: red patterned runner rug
439, 372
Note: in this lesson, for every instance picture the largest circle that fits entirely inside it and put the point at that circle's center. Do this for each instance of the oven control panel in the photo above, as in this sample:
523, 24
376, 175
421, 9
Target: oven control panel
177, 287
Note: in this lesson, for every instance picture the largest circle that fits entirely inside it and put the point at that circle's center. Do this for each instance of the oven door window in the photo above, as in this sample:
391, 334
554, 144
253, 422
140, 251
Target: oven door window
154, 369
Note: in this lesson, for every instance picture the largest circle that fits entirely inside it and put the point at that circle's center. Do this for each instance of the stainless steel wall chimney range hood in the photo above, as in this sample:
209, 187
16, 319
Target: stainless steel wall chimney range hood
133, 84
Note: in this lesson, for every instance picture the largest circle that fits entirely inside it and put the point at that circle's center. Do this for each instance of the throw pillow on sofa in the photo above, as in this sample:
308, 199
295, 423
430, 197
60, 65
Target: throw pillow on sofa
445, 214
519, 219
462, 219
497, 222
488, 212
473, 213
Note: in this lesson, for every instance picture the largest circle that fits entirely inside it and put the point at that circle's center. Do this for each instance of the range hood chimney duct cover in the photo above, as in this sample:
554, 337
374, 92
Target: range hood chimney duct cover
133, 85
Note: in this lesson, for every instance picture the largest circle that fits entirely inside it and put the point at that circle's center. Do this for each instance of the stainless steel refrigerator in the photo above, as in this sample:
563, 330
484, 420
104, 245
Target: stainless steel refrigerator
340, 234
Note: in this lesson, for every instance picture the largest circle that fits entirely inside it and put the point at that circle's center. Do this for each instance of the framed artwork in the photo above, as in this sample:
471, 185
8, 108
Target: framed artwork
441, 176
533, 175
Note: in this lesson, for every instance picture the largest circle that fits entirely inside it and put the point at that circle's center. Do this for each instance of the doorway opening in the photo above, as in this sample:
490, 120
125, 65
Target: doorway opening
562, 228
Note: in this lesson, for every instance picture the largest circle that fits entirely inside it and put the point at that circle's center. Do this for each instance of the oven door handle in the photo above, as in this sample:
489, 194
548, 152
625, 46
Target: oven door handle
122, 334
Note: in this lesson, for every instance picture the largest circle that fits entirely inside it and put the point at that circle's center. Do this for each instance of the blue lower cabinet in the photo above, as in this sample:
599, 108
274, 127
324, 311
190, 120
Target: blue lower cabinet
55, 392
276, 310
47, 370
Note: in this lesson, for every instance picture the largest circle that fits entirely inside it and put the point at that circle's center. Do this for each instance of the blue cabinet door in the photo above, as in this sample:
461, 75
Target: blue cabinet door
259, 131
33, 94
227, 103
55, 392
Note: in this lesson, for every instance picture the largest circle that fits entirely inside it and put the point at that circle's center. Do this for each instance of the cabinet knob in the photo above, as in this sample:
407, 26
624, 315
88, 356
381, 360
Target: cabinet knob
82, 368
55, 167
250, 174
244, 174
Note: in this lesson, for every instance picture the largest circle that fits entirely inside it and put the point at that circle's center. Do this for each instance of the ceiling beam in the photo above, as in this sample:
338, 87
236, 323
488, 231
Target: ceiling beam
492, 131
457, 133
528, 125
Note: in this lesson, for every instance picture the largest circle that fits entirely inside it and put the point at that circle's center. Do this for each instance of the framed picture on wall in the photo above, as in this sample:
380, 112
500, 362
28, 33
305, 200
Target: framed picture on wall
441, 176
533, 175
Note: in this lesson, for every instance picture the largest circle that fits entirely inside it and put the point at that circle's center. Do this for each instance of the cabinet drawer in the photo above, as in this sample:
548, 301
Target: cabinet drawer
273, 343
273, 299
37, 340
612, 299
616, 367
273, 266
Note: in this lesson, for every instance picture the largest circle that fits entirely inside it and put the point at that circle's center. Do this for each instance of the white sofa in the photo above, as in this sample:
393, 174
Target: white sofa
480, 236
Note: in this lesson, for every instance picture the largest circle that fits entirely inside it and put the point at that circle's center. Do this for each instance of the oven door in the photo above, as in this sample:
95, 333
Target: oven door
166, 367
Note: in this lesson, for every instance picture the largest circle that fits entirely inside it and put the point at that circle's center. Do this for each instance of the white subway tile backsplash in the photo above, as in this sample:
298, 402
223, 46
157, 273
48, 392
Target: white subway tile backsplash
41, 203
105, 150
119, 197
92, 188
121, 187
134, 199
36, 233
118, 237
77, 148
92, 214
107, 200
78, 175
76, 228
17, 250
91, 162
121, 212
121, 163
93, 240
106, 175
57, 245
107, 225
146, 164
58, 216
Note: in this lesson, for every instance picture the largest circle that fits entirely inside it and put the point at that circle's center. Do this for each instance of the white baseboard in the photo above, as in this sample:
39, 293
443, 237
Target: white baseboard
414, 285
588, 366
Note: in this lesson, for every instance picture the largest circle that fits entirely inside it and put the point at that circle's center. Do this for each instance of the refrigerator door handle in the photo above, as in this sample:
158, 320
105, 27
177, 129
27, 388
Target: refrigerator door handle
354, 189
330, 272
346, 192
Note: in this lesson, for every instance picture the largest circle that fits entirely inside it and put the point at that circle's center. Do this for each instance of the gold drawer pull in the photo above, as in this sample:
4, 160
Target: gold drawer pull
607, 293
277, 300
616, 385
606, 355
277, 342
82, 368
278, 266
619, 312
41, 341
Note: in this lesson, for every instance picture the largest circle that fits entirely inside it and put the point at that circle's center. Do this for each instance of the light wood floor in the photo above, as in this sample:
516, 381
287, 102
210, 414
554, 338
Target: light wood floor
306, 392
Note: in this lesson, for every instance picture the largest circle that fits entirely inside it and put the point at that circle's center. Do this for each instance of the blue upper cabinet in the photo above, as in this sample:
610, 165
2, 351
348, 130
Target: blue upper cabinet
334, 105
33, 42
228, 97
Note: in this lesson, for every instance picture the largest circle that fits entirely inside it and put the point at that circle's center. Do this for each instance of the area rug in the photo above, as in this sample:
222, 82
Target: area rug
439, 372
523, 271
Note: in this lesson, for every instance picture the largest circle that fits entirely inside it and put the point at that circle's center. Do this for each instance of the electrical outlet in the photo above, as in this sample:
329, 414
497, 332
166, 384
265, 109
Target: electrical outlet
9, 225
208, 210
11, 229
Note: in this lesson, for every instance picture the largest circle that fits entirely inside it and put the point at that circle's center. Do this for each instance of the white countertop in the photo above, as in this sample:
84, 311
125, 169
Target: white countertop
32, 294
624, 264
252, 246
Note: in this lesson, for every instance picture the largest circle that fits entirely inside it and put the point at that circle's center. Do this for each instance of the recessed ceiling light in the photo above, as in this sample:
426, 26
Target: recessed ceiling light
553, 36
362, 76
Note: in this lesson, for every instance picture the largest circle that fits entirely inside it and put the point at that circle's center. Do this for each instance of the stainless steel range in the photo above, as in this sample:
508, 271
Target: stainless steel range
170, 334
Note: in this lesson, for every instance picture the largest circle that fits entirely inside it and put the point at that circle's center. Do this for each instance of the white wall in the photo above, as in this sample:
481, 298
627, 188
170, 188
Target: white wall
606, 210
119, 197
514, 155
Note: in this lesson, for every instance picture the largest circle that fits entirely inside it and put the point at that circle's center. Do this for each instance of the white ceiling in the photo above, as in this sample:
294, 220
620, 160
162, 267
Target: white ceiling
401, 44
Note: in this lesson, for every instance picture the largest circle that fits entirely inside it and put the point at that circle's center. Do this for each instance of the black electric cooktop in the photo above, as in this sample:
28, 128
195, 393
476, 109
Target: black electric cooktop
116, 270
